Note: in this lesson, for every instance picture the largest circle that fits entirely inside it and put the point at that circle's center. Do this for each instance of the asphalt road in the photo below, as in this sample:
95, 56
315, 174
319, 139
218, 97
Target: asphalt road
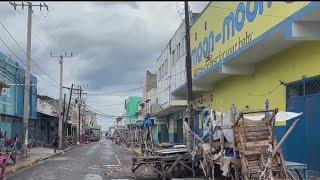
95, 161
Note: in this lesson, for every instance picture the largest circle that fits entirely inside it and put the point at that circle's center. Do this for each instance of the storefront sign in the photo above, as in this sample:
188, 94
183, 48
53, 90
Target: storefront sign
226, 27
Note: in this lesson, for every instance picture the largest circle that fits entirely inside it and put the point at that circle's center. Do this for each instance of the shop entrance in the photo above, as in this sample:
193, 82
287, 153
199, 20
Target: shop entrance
163, 133
179, 131
303, 145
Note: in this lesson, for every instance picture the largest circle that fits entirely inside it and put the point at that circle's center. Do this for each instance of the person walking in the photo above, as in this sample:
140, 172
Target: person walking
55, 142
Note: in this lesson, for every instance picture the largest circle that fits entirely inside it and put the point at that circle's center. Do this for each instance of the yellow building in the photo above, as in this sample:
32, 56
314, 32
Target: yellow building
246, 52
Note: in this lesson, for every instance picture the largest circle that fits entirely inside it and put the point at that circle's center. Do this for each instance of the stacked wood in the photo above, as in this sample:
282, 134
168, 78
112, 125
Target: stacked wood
254, 142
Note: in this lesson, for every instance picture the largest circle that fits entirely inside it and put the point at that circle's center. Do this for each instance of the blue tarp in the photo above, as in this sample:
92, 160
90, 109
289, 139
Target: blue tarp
147, 122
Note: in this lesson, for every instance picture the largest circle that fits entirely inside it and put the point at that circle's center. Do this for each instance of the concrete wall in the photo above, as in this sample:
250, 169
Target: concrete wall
48, 106
173, 60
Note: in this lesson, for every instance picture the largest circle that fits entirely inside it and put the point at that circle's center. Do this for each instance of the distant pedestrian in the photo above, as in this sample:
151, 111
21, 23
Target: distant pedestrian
55, 142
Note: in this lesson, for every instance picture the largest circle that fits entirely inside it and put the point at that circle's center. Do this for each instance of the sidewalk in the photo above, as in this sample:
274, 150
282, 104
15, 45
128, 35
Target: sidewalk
35, 155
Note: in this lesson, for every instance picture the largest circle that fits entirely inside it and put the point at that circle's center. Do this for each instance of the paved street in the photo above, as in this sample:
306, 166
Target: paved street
102, 160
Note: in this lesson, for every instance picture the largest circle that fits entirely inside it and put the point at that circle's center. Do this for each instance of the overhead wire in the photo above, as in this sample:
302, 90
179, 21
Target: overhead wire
32, 60
35, 35
18, 44
18, 58
5, 44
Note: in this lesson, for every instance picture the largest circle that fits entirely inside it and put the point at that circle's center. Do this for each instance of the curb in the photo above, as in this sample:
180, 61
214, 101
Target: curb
30, 163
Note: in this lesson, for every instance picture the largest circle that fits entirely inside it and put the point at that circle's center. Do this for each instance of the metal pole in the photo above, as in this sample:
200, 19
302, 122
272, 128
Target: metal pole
26, 106
188, 66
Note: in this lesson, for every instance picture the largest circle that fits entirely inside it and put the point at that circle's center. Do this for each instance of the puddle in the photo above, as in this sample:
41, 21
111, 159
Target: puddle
94, 167
60, 159
111, 165
92, 177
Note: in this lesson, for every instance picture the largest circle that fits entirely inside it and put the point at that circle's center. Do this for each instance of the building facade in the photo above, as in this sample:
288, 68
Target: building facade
48, 120
11, 99
131, 107
245, 53
149, 103
171, 74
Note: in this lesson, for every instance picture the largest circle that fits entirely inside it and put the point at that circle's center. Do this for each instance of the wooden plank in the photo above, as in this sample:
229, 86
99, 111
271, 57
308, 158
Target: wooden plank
257, 144
252, 129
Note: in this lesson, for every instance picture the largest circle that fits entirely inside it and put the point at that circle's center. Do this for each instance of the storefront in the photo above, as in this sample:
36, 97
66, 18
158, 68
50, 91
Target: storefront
246, 52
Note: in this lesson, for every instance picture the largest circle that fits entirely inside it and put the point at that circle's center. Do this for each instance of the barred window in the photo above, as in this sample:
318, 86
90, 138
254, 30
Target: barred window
305, 87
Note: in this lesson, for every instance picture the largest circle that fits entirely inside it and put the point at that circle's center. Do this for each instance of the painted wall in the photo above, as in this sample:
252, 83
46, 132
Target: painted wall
131, 109
217, 31
289, 65
11, 100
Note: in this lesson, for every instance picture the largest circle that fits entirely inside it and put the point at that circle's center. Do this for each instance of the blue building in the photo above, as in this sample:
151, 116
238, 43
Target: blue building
11, 99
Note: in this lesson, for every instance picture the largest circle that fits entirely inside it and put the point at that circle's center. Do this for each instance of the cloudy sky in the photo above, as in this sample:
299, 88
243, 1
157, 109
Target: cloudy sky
113, 44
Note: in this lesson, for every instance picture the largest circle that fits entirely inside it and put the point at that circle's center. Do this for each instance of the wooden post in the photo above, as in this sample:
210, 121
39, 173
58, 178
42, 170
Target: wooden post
233, 110
221, 136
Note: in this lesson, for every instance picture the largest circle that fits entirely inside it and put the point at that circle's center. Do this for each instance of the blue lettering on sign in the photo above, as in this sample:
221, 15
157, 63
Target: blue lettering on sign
218, 37
252, 15
240, 12
228, 24
211, 40
232, 23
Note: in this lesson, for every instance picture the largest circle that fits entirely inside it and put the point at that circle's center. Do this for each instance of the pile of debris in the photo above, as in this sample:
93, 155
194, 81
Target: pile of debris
242, 145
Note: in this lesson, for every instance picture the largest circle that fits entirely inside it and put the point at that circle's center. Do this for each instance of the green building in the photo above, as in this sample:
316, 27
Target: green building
131, 105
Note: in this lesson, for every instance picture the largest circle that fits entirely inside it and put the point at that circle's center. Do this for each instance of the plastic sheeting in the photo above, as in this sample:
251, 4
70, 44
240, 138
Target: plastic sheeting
280, 116
227, 120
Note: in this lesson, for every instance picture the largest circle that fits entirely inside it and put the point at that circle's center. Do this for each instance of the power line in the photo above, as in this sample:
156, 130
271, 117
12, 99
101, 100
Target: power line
17, 56
34, 33
17, 43
44, 28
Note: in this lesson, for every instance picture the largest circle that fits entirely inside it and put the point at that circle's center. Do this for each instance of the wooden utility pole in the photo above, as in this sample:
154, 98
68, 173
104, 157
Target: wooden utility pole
67, 114
27, 90
188, 66
79, 103
60, 94
63, 121
68, 108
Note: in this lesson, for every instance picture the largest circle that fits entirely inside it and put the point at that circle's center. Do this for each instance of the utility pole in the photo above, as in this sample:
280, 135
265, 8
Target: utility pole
188, 66
27, 90
67, 114
63, 120
79, 111
60, 94
79, 101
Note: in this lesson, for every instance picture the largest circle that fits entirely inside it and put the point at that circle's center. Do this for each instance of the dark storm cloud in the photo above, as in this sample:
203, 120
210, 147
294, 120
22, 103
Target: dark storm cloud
113, 43
114, 49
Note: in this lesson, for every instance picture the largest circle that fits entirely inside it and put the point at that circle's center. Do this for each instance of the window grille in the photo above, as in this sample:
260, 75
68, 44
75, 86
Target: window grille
304, 87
